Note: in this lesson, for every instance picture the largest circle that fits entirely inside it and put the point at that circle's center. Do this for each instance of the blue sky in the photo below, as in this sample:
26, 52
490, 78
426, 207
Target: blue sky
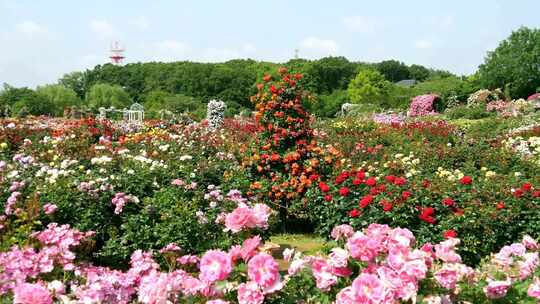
41, 40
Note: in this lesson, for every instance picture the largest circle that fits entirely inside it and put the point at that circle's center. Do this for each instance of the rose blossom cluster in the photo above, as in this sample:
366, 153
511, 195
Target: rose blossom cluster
512, 264
21, 264
120, 199
391, 271
423, 105
246, 217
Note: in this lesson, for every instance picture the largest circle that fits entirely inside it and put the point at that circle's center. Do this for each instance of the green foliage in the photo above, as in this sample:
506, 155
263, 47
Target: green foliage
160, 100
515, 62
474, 112
450, 89
24, 101
328, 74
74, 81
418, 72
59, 96
394, 70
329, 105
369, 86
106, 95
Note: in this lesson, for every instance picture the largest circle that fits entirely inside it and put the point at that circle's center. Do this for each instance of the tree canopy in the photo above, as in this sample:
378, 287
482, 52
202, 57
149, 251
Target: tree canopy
106, 95
514, 63
369, 86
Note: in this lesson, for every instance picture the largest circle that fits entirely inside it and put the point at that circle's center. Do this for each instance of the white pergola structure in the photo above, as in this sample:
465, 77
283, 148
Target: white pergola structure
135, 114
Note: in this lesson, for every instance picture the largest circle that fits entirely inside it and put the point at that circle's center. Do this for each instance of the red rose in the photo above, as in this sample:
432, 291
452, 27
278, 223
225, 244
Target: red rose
361, 175
526, 187
400, 181
466, 180
390, 178
374, 191
518, 193
450, 234
381, 188
356, 181
448, 202
267, 78
354, 213
344, 191
365, 201
536, 193
500, 205
387, 206
342, 177
328, 198
324, 187
405, 195
425, 183
427, 215
371, 182
298, 76
273, 89
313, 177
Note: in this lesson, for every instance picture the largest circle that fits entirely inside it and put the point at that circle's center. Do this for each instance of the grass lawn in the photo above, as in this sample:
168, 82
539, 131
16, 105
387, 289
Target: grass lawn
305, 243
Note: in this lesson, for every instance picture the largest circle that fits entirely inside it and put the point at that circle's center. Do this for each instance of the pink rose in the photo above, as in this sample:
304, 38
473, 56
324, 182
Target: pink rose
368, 288
215, 265
534, 289
49, 208
342, 232
250, 246
530, 243
264, 270
27, 293
250, 293
497, 289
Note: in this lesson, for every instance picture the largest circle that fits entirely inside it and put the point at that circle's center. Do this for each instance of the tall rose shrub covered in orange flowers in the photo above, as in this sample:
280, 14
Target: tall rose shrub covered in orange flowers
284, 160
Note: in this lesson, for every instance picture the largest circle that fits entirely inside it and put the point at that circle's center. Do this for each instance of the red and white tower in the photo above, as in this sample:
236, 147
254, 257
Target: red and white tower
117, 53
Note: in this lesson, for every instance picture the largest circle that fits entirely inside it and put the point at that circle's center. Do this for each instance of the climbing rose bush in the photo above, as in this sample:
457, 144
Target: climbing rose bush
423, 105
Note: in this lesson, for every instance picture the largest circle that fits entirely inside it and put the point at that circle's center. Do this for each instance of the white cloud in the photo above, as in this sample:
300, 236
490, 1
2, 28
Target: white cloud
141, 23
361, 24
319, 47
423, 44
30, 28
103, 29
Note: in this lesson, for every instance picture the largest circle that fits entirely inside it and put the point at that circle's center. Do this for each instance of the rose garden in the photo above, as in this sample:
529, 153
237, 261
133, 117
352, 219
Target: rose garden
426, 206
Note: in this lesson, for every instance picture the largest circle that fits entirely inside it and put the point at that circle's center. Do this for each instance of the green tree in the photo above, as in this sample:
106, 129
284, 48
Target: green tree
59, 97
75, 81
176, 103
106, 95
25, 100
369, 86
393, 70
418, 72
330, 73
515, 62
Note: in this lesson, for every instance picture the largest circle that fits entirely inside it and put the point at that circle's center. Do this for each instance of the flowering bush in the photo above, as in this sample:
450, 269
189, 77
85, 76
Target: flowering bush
94, 177
484, 96
376, 265
215, 114
424, 105
534, 97
428, 178
283, 160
